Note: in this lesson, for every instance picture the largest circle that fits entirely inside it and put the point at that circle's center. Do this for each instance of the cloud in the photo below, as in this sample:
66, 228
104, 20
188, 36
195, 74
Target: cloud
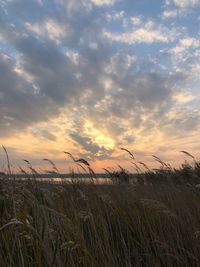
146, 90
184, 55
170, 13
105, 69
92, 150
183, 3
136, 20
114, 15
179, 8
181, 122
39, 78
103, 2
45, 134
18, 99
184, 97
52, 86
184, 45
149, 33
49, 29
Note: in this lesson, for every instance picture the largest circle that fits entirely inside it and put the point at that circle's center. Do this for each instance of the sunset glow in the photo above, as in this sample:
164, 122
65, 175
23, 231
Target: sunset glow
92, 76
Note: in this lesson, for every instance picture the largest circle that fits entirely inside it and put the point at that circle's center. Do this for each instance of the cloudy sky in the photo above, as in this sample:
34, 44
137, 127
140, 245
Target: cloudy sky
91, 76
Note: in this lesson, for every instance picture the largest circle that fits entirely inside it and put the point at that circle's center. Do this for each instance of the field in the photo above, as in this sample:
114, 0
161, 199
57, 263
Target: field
154, 221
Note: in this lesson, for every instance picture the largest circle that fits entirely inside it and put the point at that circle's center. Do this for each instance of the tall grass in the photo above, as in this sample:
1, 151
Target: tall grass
154, 221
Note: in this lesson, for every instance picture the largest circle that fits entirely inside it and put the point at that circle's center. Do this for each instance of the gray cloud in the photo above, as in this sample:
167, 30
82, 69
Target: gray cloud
89, 145
45, 134
182, 123
56, 80
15, 102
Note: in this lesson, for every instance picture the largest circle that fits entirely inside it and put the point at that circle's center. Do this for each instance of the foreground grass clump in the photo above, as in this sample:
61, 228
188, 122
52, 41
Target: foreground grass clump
99, 225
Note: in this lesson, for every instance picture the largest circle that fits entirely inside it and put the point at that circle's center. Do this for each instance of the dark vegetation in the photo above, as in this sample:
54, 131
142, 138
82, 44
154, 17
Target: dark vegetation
147, 219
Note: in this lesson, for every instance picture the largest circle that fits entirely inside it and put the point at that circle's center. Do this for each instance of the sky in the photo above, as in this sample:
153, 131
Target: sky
92, 76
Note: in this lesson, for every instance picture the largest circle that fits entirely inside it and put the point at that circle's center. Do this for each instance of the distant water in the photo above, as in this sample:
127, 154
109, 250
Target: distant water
76, 180
96, 180
62, 178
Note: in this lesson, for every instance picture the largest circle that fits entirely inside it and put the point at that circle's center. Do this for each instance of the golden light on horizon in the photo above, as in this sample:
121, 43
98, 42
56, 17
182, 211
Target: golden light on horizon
98, 136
